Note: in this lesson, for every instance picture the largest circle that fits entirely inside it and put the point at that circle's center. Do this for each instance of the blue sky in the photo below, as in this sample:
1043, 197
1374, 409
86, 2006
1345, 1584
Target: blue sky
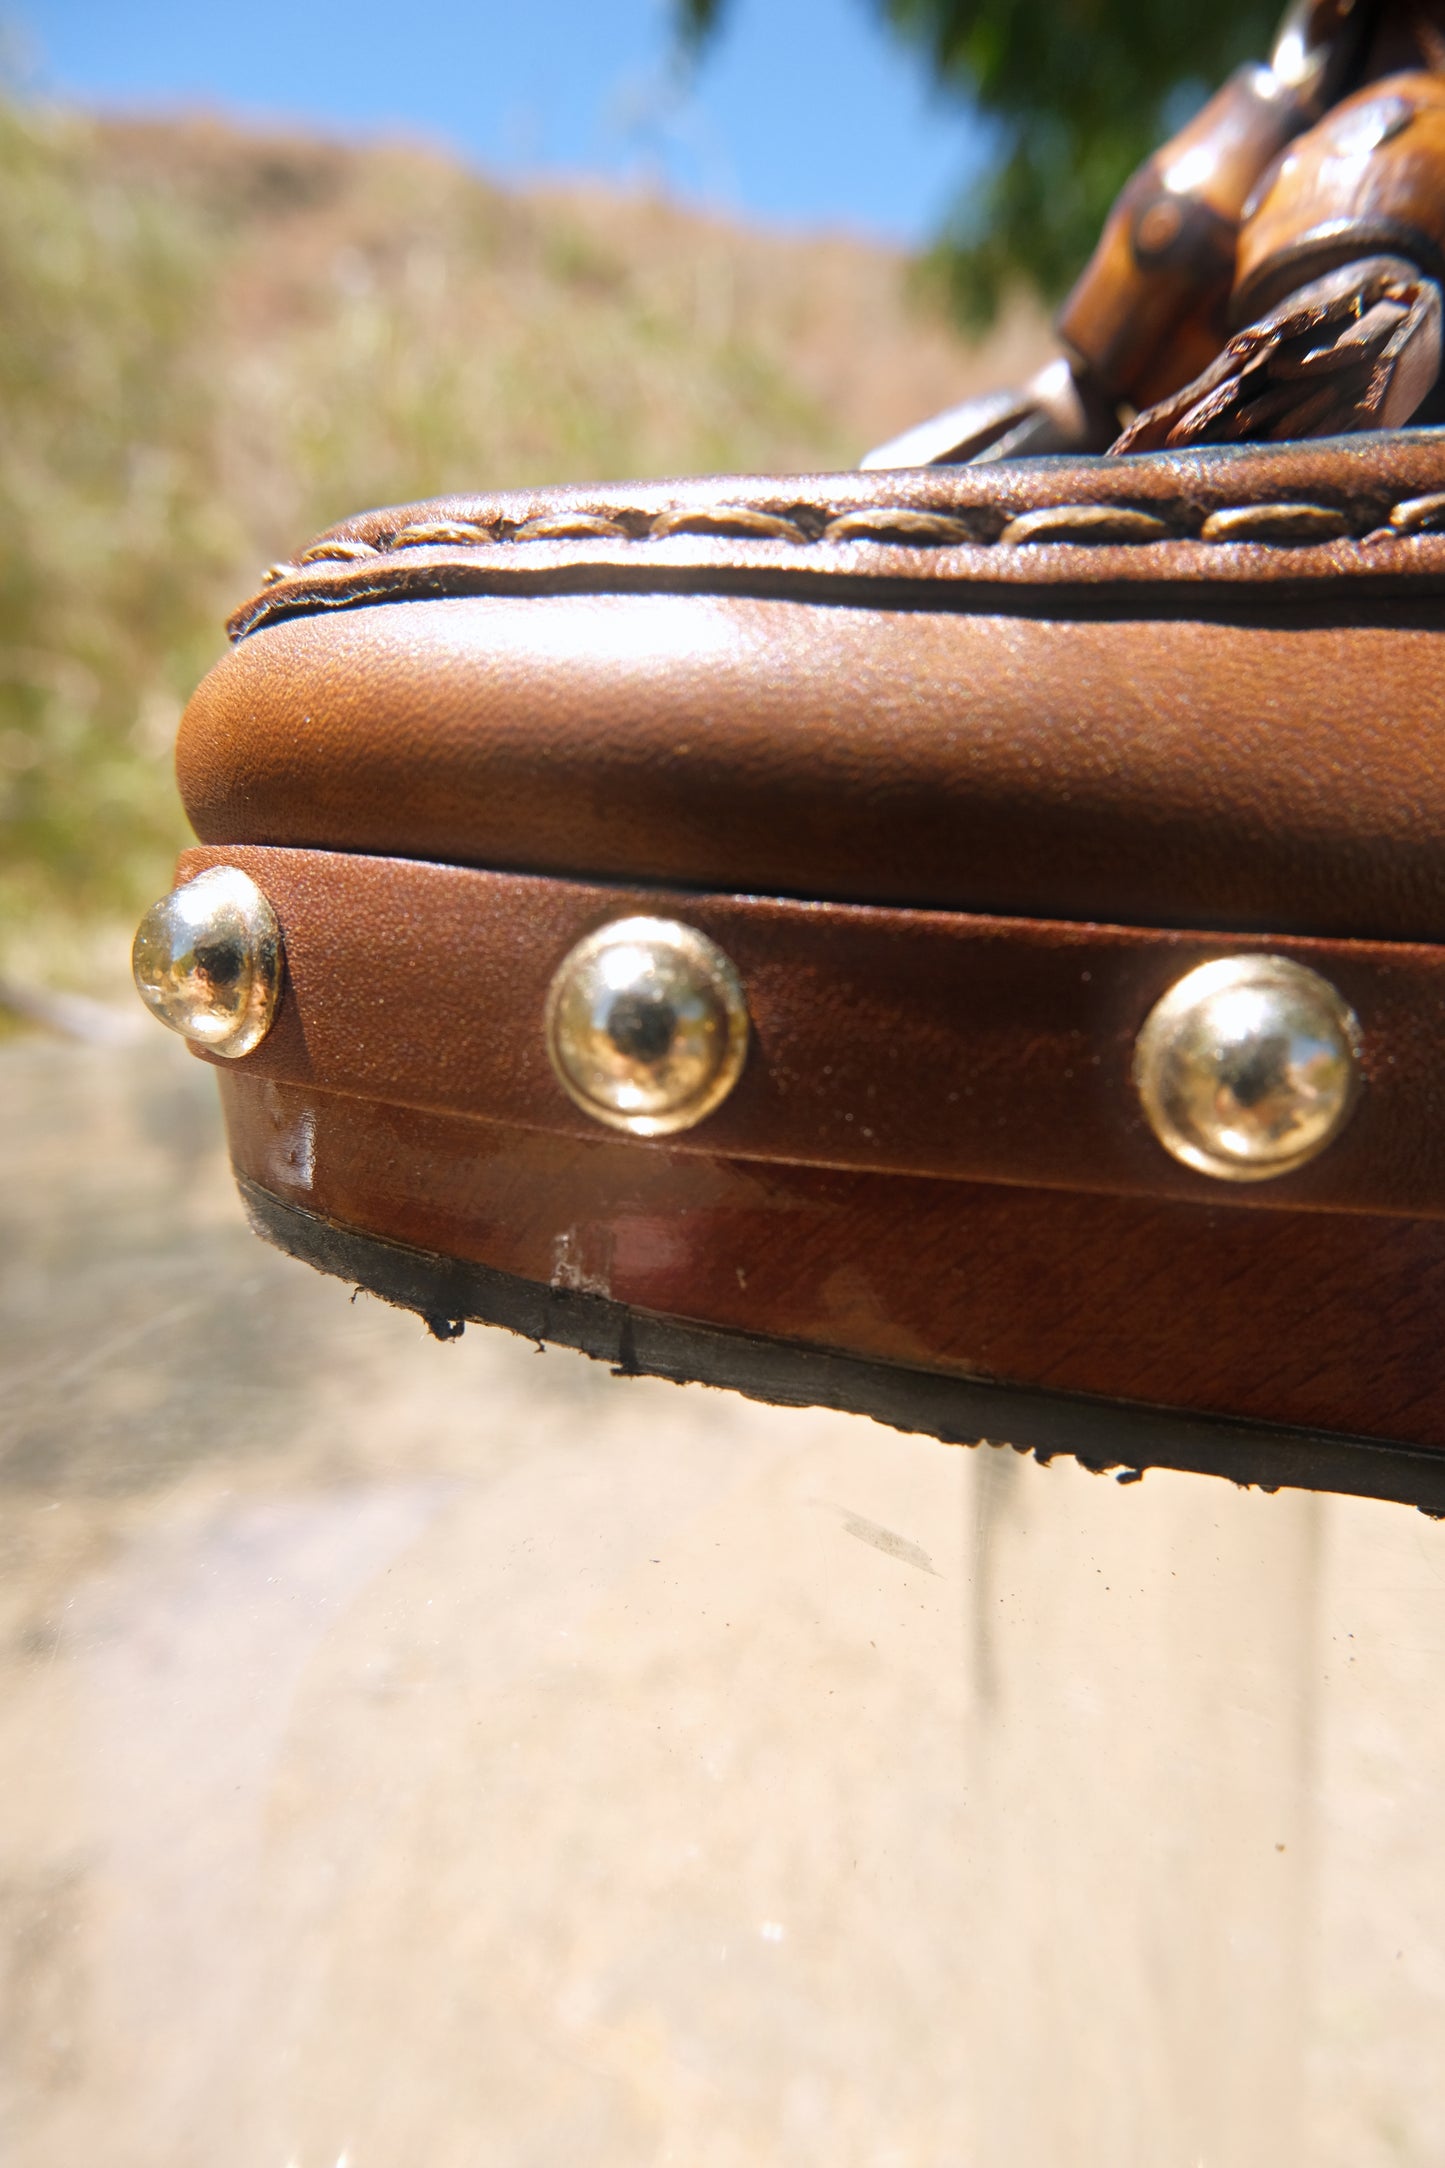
806, 113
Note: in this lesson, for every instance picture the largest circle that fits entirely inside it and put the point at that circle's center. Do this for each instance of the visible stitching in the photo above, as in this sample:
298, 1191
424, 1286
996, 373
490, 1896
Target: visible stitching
741, 520
1419, 515
1275, 523
342, 552
569, 527
1300, 524
1089, 523
895, 523
438, 531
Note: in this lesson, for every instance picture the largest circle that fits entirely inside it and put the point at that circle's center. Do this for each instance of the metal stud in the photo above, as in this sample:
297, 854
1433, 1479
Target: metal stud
1248, 1067
647, 1026
207, 962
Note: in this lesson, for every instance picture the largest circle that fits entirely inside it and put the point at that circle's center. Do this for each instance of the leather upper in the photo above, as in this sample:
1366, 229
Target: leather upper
898, 1042
1197, 689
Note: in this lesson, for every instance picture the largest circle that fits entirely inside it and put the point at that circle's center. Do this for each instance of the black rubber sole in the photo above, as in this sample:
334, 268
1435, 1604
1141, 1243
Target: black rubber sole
1123, 1437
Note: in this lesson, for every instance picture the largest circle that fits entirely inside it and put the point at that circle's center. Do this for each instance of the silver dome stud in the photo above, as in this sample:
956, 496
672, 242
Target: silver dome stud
647, 1026
1248, 1067
207, 962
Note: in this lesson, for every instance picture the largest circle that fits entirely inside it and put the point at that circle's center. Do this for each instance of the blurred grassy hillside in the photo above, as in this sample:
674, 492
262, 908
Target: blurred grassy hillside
213, 343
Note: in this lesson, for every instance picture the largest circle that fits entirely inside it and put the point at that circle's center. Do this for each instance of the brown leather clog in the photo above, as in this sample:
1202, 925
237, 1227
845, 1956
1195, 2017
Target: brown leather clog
932, 792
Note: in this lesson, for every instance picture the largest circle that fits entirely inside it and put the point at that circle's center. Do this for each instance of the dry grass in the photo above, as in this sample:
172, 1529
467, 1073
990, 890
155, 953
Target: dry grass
212, 343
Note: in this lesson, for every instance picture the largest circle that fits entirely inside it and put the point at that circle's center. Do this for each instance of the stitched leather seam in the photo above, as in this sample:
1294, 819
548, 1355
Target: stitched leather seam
1078, 525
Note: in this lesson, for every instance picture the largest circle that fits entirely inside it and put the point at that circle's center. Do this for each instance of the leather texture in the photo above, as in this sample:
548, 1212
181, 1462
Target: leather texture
962, 768
905, 1042
1328, 1321
1194, 690
1365, 182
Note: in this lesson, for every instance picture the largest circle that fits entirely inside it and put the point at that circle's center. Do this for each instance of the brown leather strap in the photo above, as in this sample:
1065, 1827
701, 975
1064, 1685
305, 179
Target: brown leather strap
905, 1042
